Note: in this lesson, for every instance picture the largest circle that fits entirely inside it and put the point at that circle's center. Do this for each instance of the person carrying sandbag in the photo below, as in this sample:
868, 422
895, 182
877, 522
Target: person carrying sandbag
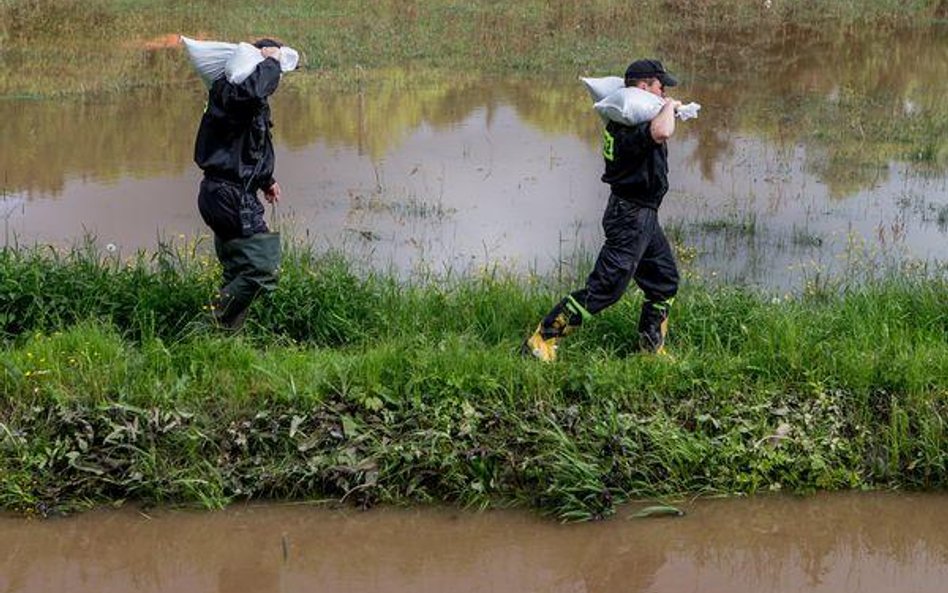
636, 169
235, 150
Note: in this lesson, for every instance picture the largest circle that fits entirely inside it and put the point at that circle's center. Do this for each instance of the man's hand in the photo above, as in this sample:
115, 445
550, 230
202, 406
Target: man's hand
271, 52
272, 193
663, 124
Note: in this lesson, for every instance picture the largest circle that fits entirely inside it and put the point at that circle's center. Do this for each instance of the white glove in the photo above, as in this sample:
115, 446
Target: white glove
689, 111
289, 59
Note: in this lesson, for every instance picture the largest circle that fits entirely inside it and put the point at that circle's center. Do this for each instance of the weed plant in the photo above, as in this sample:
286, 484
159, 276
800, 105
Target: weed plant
367, 389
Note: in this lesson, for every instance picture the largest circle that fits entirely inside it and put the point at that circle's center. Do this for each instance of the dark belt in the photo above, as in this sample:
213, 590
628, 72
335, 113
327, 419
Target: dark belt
247, 201
634, 199
224, 180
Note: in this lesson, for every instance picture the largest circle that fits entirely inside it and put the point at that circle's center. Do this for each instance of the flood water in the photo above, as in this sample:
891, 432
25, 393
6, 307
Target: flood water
837, 543
809, 157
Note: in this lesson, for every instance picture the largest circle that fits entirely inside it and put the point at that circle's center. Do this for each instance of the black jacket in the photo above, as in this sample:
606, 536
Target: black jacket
233, 143
636, 165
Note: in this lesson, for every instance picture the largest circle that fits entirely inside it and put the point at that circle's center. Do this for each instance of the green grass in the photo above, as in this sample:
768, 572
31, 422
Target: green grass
74, 46
367, 389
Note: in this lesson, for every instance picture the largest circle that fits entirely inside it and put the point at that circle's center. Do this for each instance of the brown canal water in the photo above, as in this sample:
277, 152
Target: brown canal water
837, 543
810, 157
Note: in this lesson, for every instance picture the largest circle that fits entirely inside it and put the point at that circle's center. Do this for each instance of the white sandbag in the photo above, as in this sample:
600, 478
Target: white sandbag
600, 88
242, 63
236, 61
632, 105
629, 106
208, 57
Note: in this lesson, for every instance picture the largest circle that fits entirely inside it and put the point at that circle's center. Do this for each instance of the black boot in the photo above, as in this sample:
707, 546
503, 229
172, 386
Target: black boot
250, 266
653, 326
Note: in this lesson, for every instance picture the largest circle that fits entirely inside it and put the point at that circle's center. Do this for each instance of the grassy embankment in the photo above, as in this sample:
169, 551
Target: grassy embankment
370, 390
53, 47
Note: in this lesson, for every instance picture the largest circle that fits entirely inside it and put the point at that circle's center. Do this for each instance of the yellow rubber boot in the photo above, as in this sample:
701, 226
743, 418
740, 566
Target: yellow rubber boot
653, 326
565, 317
538, 347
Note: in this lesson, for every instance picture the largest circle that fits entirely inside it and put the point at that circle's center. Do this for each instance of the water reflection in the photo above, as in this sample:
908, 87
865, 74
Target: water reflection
806, 145
870, 543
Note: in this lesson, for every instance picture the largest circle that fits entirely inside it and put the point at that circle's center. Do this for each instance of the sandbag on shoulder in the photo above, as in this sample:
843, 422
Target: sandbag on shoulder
600, 88
208, 57
629, 105
242, 63
236, 61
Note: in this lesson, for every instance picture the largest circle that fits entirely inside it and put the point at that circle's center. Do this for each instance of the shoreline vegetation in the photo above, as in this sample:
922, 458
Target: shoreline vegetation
368, 389
54, 48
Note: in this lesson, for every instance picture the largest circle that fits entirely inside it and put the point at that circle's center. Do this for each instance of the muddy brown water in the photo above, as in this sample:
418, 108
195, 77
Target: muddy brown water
793, 170
851, 542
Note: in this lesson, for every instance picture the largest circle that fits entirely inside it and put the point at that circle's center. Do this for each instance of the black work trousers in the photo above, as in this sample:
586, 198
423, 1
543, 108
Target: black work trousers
229, 210
249, 254
635, 249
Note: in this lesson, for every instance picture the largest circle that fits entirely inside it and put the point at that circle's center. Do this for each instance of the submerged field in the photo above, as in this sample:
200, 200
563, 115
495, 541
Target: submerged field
370, 387
365, 389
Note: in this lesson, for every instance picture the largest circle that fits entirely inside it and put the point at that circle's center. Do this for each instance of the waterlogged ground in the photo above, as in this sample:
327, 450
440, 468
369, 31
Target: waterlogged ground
809, 158
870, 543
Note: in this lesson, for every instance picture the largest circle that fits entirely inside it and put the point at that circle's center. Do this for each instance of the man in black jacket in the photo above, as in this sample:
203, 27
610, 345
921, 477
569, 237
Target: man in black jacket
635, 247
235, 150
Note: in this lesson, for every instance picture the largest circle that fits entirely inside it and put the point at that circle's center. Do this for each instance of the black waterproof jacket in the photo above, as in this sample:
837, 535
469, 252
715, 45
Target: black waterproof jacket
636, 165
233, 143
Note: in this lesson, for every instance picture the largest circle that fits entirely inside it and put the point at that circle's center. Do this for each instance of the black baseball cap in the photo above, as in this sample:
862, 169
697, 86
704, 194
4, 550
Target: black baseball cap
266, 42
650, 69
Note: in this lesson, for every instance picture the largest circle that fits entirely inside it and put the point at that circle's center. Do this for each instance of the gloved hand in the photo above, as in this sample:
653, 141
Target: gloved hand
689, 111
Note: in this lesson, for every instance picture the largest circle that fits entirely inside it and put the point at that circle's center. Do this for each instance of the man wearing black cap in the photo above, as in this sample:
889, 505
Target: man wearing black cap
635, 247
235, 151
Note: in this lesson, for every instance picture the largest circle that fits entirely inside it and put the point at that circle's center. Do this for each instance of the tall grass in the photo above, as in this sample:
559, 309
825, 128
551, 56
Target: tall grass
368, 389
73, 46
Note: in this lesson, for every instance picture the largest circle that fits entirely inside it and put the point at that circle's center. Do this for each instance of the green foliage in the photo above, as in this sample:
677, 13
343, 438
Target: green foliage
46, 289
348, 37
55, 20
368, 389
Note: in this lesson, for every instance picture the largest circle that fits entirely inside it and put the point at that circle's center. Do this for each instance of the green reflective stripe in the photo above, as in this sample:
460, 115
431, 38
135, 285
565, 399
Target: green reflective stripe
608, 145
574, 307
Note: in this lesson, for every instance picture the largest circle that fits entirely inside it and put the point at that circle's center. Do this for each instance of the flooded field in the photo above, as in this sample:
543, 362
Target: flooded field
870, 543
809, 158
821, 154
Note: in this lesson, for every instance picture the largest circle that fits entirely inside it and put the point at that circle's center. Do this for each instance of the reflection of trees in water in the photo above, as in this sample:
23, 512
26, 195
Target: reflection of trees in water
858, 101
137, 134
148, 133
378, 119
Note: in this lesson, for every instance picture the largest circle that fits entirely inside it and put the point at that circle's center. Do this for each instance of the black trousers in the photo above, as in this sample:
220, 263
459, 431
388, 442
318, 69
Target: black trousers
249, 254
635, 249
230, 211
